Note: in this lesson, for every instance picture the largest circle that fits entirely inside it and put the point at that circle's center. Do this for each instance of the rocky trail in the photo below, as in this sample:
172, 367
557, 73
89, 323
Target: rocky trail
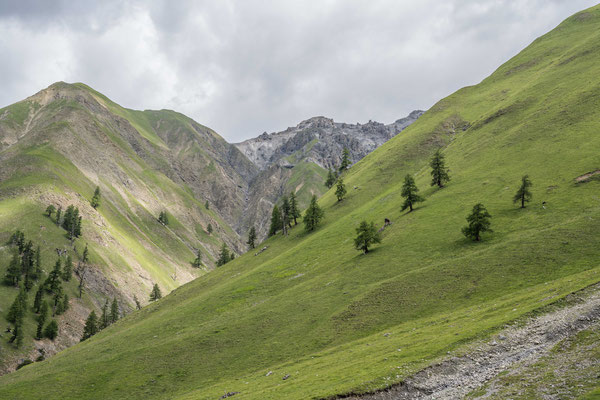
515, 347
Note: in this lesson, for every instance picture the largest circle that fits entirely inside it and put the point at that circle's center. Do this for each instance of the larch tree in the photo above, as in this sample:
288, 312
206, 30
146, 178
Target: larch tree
523, 195
345, 159
251, 238
114, 311
340, 190
478, 223
294, 211
409, 192
331, 178
96, 198
439, 171
313, 215
155, 294
366, 235
91, 326
275, 221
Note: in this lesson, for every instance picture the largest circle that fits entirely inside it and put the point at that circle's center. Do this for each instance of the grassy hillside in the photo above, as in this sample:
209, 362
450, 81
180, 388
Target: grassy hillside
58, 145
337, 321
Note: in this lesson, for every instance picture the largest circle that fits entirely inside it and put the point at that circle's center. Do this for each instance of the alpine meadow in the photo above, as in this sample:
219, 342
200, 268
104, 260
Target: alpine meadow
478, 219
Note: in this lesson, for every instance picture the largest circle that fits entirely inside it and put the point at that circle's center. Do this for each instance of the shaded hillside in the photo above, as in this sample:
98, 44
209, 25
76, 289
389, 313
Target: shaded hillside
311, 317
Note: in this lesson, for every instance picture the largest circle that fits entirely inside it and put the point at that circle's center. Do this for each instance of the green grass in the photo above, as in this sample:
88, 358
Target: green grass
313, 307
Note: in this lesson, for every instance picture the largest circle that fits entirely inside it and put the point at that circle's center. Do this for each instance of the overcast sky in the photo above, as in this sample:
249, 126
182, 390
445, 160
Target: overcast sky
244, 67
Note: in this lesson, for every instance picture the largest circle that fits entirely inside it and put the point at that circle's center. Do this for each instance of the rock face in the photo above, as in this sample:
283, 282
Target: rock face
297, 159
321, 140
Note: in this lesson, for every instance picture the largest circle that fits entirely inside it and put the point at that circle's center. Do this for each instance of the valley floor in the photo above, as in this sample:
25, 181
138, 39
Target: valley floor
554, 355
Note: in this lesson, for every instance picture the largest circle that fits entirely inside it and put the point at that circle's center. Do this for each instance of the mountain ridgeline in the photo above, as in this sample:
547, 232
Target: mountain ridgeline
159, 196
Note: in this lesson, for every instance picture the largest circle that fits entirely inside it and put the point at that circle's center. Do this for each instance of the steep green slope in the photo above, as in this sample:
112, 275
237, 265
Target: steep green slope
337, 321
58, 145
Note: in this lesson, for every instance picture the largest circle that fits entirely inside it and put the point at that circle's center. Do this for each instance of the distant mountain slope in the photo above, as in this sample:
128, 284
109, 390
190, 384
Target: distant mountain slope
298, 158
311, 317
57, 145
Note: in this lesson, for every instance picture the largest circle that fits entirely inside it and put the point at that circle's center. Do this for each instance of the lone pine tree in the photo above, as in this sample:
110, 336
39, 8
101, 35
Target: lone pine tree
155, 294
96, 198
340, 190
523, 195
439, 172
313, 215
251, 238
409, 192
366, 235
197, 263
479, 222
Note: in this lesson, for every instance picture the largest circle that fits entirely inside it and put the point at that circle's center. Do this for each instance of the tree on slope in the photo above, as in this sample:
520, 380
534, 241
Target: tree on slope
251, 238
523, 195
104, 320
294, 212
155, 294
275, 221
439, 171
366, 234
51, 330
114, 311
96, 198
13, 273
340, 190
286, 220
50, 210
409, 192
478, 223
197, 263
224, 256
67, 269
345, 159
163, 218
41, 320
91, 326
331, 178
313, 215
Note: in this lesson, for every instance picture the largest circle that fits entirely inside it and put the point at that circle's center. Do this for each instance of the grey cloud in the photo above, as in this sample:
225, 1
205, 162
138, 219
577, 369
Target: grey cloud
244, 67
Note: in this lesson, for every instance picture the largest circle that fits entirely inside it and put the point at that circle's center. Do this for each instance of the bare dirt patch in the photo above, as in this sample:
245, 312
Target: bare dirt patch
587, 177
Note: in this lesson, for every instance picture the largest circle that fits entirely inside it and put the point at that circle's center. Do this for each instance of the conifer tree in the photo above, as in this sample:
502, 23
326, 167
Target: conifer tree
209, 229
18, 307
523, 195
224, 256
206, 205
85, 258
114, 311
104, 320
13, 273
479, 222
137, 302
340, 190
251, 238
275, 221
27, 265
91, 326
313, 215
51, 330
38, 264
155, 294
294, 211
58, 215
345, 159
18, 334
366, 234
439, 172
39, 296
163, 218
409, 192
41, 320
50, 210
197, 263
65, 303
331, 178
53, 281
57, 301
286, 220
68, 269
96, 198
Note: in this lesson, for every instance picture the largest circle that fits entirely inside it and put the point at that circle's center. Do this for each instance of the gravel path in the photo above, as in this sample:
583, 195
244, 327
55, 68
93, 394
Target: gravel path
457, 376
